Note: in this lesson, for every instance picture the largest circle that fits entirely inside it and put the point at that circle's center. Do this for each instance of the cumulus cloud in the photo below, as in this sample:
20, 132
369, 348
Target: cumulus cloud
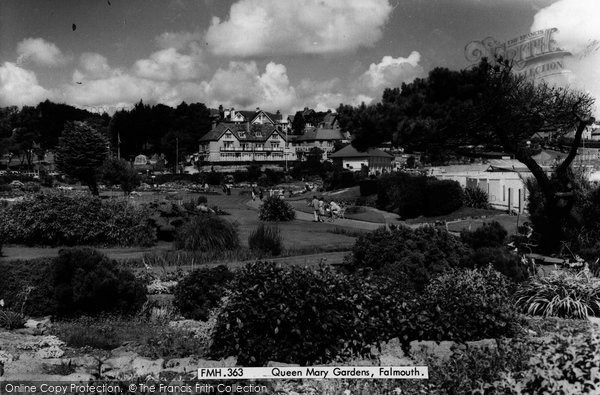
390, 72
40, 52
19, 86
269, 27
578, 33
178, 40
242, 85
169, 64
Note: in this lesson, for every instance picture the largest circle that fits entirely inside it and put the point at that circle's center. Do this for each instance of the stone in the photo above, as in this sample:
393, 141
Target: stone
223, 363
393, 347
143, 367
390, 360
49, 352
274, 364
5, 357
421, 350
490, 344
182, 365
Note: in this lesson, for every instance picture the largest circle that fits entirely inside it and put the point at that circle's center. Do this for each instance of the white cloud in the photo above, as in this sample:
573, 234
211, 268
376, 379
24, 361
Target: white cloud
269, 27
578, 33
19, 86
169, 64
40, 52
178, 40
390, 73
243, 86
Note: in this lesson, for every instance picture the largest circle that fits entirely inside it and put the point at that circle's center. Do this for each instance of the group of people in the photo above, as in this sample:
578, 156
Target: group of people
321, 208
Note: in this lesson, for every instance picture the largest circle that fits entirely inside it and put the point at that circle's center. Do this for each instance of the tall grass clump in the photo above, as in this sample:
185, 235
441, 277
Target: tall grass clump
207, 233
475, 197
266, 239
560, 294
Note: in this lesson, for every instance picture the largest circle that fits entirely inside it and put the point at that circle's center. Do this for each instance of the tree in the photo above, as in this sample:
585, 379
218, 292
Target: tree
486, 105
120, 172
80, 153
298, 123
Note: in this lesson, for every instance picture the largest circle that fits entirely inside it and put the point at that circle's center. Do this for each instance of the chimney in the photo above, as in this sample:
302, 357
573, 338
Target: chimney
231, 112
257, 109
221, 113
247, 128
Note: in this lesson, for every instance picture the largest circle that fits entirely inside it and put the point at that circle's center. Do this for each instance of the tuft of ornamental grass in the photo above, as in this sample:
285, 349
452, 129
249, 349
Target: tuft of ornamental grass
207, 233
560, 294
266, 240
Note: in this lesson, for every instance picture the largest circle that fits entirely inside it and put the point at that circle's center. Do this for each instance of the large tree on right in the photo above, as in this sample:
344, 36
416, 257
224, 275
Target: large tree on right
486, 105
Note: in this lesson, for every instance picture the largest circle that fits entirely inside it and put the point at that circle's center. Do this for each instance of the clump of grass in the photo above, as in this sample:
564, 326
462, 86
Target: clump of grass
207, 233
266, 240
338, 230
560, 294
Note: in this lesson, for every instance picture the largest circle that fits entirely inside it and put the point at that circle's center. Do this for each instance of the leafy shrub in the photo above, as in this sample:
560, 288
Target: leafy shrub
502, 260
266, 239
475, 197
201, 290
302, 315
402, 194
202, 199
276, 209
369, 187
340, 179
60, 219
560, 294
469, 305
564, 364
442, 197
490, 234
207, 233
85, 281
26, 285
420, 254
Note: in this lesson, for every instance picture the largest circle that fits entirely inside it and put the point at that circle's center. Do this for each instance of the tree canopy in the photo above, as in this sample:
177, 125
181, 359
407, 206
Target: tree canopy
80, 153
488, 106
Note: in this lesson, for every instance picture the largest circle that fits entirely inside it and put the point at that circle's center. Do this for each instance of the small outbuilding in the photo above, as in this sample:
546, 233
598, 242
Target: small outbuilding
351, 159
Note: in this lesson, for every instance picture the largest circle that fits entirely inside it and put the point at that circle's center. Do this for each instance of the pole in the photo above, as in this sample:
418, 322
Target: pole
118, 145
176, 154
285, 153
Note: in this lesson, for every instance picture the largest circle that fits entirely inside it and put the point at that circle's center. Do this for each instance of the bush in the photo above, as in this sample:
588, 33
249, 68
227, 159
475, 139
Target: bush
442, 197
490, 234
369, 187
403, 194
276, 209
302, 315
266, 239
560, 294
207, 233
468, 305
420, 254
84, 281
502, 260
26, 285
10, 319
201, 290
56, 219
340, 179
475, 197
202, 200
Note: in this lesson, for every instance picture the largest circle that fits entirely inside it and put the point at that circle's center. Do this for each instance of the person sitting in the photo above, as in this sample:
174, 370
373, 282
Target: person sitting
334, 209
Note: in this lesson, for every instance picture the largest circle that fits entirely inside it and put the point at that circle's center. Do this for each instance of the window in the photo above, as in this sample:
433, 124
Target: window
242, 135
274, 145
228, 144
259, 146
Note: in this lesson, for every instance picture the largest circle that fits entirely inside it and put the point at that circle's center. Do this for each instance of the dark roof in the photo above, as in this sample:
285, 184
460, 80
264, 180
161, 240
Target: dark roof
322, 134
242, 131
250, 115
350, 152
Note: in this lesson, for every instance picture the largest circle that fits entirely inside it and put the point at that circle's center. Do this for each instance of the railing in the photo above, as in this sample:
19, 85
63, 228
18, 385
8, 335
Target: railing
253, 150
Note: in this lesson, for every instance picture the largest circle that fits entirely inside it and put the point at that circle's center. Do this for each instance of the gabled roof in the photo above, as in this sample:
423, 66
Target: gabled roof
242, 132
350, 152
250, 115
321, 135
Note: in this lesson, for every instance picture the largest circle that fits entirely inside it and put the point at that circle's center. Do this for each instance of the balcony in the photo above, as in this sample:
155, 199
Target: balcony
251, 150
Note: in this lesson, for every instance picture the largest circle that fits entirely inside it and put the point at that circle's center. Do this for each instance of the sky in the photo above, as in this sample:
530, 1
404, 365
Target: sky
274, 54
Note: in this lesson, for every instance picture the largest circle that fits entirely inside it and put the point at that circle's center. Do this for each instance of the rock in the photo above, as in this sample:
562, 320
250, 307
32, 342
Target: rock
223, 363
5, 357
143, 367
489, 344
38, 323
119, 363
392, 348
390, 360
273, 364
182, 365
49, 352
421, 350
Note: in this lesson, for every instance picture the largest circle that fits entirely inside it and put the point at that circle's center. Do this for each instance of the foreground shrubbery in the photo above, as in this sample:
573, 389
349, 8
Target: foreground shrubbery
560, 294
78, 281
201, 290
56, 219
300, 315
475, 197
276, 209
207, 233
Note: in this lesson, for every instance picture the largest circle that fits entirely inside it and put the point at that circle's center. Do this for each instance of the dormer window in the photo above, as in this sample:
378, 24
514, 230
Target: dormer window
228, 135
242, 135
